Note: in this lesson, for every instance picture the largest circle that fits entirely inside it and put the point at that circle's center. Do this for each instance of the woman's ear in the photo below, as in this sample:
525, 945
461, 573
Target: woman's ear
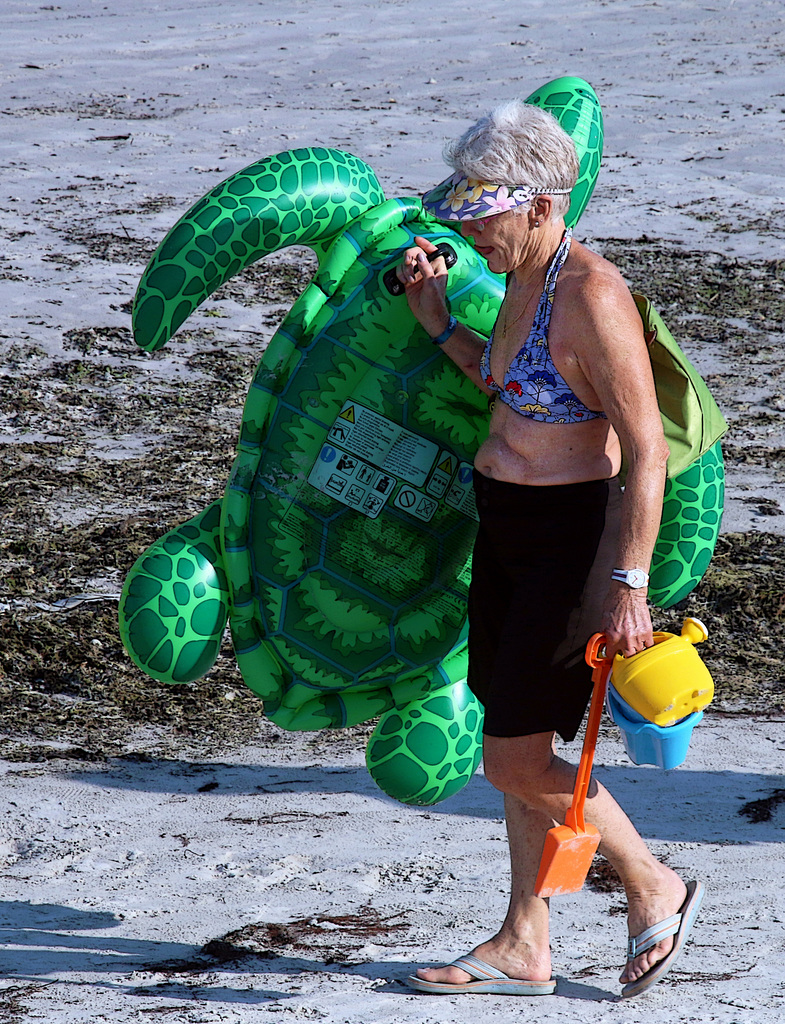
540, 210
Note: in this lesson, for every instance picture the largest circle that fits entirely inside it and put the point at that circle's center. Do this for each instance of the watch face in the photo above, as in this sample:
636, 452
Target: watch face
634, 578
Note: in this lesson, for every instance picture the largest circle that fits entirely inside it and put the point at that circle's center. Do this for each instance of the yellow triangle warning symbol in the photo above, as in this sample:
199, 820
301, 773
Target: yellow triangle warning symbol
447, 465
347, 414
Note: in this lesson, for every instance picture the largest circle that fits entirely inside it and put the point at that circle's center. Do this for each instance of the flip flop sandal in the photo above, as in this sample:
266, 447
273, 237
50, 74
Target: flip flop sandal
488, 980
679, 925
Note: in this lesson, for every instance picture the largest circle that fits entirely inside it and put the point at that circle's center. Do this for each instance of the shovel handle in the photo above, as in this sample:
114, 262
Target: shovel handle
601, 669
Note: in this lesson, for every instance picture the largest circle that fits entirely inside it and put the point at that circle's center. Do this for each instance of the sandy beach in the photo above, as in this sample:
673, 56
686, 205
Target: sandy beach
168, 853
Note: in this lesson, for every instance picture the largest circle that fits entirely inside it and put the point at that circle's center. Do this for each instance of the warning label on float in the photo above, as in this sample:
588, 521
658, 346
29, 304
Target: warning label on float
383, 443
368, 459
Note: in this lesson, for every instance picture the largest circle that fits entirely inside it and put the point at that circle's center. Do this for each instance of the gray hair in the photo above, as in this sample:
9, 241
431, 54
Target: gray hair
518, 143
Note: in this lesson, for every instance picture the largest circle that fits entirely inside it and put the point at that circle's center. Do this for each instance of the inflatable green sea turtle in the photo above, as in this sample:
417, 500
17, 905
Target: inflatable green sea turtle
340, 552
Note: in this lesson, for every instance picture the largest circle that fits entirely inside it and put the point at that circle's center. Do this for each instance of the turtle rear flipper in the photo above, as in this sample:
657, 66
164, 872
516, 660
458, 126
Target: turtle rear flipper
428, 749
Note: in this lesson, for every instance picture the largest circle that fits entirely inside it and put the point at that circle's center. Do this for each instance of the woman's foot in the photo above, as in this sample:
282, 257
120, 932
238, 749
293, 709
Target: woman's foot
648, 907
517, 960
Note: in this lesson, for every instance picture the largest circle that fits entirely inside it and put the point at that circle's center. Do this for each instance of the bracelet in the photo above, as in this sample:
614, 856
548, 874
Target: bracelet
440, 339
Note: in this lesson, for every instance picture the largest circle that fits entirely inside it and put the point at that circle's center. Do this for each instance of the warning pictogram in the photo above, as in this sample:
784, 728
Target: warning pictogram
442, 474
407, 498
426, 508
415, 503
339, 432
347, 414
347, 464
336, 483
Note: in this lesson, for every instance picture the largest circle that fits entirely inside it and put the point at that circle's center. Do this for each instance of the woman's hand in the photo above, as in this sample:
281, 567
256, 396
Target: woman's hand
626, 621
426, 286
426, 293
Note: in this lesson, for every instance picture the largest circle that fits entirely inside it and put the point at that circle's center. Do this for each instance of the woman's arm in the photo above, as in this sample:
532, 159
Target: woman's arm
426, 293
613, 355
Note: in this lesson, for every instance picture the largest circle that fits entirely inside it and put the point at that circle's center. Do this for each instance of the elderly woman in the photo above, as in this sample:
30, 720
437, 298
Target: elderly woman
561, 551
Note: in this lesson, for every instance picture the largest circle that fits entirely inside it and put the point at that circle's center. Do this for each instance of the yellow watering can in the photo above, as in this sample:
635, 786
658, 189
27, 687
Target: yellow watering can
667, 682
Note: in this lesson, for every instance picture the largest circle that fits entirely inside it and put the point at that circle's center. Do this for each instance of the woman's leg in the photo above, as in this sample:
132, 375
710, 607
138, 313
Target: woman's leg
527, 769
520, 948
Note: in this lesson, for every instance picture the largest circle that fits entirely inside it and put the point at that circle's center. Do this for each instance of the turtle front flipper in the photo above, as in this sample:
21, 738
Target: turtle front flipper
175, 602
298, 197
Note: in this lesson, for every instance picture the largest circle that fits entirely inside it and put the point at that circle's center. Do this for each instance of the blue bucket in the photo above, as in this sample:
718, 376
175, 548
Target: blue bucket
647, 743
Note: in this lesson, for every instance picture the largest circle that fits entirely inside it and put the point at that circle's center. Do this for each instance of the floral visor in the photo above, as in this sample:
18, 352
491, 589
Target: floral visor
461, 198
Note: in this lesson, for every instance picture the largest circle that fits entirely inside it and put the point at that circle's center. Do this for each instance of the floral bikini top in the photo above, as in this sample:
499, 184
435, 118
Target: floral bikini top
532, 385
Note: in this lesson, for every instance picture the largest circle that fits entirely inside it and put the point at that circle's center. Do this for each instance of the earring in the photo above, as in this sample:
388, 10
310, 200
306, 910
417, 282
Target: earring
536, 223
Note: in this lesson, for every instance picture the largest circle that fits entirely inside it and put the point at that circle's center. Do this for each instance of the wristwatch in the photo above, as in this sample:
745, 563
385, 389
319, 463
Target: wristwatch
440, 339
635, 578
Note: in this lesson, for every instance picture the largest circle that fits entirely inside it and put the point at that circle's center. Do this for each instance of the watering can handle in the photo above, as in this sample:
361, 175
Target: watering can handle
601, 669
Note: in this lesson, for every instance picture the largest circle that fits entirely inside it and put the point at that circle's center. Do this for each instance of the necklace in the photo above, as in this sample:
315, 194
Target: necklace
508, 323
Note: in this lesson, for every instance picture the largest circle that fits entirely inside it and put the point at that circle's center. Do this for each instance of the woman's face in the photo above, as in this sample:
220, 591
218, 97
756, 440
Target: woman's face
503, 239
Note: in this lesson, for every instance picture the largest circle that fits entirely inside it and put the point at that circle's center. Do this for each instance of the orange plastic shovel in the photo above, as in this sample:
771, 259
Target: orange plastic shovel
569, 848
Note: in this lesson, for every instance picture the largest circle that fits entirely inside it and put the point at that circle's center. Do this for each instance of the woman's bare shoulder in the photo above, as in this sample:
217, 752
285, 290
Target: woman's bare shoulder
594, 283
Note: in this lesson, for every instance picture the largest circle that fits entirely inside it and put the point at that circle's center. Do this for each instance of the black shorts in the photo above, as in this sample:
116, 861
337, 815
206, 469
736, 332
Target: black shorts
540, 572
